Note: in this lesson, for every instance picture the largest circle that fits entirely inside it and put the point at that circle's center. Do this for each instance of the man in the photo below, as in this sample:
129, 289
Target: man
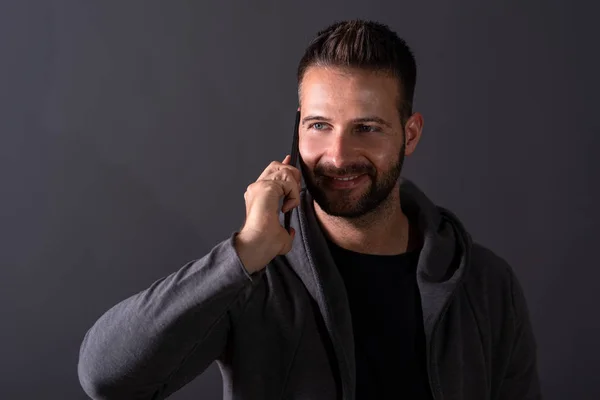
374, 293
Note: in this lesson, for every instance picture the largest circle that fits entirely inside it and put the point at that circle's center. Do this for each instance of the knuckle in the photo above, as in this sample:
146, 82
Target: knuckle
267, 186
288, 175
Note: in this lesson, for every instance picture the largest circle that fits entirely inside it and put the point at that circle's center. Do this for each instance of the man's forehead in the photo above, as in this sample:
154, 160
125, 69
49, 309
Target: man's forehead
323, 98
326, 87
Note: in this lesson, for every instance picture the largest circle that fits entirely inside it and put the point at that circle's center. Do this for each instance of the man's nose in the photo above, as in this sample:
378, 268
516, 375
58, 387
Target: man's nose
341, 149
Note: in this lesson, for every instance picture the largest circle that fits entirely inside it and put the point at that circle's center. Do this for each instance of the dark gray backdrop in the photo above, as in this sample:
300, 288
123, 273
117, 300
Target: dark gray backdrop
130, 130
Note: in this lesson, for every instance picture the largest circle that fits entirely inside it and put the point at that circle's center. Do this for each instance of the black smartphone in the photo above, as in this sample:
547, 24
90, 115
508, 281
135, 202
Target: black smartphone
293, 161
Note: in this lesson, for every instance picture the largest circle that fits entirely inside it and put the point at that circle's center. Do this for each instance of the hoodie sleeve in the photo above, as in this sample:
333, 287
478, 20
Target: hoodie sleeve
153, 343
521, 380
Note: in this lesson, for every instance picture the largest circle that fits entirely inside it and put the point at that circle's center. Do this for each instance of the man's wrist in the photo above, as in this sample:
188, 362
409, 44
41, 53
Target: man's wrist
251, 254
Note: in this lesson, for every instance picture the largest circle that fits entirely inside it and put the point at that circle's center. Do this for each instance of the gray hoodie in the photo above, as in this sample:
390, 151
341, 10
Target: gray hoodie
286, 332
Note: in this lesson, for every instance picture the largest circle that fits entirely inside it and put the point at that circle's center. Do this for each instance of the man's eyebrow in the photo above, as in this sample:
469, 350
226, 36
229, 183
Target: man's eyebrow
372, 119
355, 121
314, 118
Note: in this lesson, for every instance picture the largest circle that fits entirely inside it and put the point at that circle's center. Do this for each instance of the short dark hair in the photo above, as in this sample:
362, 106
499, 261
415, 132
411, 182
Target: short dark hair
368, 45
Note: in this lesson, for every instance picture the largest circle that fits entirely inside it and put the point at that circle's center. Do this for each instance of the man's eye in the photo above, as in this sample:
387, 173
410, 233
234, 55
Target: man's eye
317, 125
368, 128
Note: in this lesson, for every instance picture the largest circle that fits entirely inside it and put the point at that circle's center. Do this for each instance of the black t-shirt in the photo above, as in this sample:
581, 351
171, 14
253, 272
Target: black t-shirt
388, 324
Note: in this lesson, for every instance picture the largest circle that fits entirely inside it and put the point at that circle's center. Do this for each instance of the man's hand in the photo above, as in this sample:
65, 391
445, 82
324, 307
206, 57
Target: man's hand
262, 237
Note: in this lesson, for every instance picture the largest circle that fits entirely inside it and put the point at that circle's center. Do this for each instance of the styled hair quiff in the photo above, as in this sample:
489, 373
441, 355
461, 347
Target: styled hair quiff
366, 45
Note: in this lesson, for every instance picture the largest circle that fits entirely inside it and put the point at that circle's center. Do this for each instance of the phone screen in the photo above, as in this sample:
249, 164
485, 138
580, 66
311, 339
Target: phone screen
293, 161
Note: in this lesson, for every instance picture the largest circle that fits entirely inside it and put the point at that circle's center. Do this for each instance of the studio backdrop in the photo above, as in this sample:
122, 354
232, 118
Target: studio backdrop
130, 130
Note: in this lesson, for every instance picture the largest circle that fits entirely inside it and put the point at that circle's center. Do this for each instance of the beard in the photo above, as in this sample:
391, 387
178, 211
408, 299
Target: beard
356, 202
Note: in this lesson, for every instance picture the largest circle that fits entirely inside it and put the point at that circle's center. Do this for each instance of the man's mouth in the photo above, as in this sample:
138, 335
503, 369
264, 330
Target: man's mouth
344, 178
346, 182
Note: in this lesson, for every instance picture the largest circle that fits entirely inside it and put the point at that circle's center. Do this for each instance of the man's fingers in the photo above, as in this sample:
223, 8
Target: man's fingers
275, 167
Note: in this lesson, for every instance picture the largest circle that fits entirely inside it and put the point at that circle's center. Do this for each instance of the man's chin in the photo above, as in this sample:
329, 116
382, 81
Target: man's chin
340, 205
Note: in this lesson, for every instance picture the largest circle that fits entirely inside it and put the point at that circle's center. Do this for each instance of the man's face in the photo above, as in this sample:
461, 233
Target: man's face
350, 125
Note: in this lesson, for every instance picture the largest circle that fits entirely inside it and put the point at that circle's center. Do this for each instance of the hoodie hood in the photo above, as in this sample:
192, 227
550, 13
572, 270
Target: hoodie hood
445, 253
442, 262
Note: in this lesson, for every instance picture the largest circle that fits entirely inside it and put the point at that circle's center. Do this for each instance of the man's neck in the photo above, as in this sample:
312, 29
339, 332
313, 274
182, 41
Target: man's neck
385, 231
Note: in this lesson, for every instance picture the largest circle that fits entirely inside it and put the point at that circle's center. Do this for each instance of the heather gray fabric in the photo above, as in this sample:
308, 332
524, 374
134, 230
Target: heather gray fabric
286, 332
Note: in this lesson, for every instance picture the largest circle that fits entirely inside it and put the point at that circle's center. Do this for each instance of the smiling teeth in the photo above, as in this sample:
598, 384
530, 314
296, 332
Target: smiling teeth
346, 179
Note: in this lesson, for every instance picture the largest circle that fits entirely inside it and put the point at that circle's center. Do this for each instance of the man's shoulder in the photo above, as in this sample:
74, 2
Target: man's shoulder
486, 262
494, 289
489, 273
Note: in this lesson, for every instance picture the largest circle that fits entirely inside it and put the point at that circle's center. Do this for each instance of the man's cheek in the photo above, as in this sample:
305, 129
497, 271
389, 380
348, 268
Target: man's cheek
312, 149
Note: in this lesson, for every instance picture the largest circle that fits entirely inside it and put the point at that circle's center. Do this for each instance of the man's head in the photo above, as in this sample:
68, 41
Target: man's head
355, 86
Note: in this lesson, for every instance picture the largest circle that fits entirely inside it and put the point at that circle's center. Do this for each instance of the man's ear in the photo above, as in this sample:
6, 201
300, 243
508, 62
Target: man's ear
412, 132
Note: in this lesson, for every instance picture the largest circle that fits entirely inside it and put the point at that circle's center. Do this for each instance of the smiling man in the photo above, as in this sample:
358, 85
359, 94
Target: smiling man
375, 293
353, 143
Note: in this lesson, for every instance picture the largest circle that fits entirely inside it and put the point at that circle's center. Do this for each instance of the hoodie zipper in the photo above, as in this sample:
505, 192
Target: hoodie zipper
338, 351
434, 383
434, 386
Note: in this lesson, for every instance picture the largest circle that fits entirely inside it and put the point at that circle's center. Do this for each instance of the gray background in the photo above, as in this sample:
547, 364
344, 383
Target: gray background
130, 130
